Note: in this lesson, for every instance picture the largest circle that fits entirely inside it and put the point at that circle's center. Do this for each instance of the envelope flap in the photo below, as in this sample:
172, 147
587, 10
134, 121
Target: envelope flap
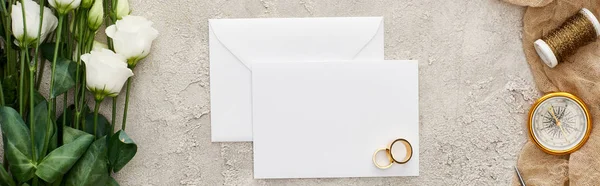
295, 38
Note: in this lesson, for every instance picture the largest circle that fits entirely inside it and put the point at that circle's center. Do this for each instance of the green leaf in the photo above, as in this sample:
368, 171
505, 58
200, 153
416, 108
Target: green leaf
53, 139
59, 161
92, 168
17, 146
58, 181
41, 127
103, 124
112, 182
64, 78
10, 85
121, 150
72, 134
38, 98
5, 178
48, 50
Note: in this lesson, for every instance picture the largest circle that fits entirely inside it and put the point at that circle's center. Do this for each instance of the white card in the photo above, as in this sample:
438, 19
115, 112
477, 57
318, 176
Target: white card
326, 119
235, 43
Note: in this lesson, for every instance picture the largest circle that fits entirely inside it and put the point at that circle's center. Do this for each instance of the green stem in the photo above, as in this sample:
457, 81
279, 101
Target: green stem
65, 100
108, 10
126, 105
78, 117
114, 115
40, 75
7, 22
21, 83
90, 43
4, 159
96, 108
32, 74
69, 39
31, 104
24, 55
22, 104
55, 57
39, 34
7, 31
2, 94
79, 89
82, 100
114, 10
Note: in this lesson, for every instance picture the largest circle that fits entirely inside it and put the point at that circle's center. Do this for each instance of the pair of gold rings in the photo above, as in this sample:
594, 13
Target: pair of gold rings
390, 155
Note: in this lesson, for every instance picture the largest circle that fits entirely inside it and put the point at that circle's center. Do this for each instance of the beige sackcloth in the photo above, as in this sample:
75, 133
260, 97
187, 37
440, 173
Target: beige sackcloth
531, 3
578, 74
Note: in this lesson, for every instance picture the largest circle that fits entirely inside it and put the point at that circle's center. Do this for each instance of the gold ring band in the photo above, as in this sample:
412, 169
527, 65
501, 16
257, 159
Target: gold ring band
387, 153
409, 151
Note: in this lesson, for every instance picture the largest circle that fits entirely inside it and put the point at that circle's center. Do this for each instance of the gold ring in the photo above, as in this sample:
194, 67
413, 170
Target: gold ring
409, 151
387, 153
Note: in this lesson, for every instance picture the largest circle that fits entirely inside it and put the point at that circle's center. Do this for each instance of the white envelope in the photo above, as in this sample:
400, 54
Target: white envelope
326, 119
235, 43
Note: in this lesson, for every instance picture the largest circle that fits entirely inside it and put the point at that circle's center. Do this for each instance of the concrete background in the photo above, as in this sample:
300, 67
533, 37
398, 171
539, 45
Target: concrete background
475, 90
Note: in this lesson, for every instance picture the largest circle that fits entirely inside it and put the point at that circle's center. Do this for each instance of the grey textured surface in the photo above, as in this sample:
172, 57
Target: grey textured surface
475, 90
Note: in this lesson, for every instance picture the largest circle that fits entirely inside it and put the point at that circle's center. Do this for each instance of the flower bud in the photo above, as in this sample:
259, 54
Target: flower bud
87, 3
96, 15
64, 6
122, 9
98, 46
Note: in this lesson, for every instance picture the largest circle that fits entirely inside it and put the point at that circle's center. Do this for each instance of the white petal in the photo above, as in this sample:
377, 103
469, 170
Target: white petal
76, 3
151, 34
33, 24
86, 58
133, 46
50, 23
132, 36
50, 20
93, 78
119, 78
110, 30
52, 3
17, 20
133, 23
108, 57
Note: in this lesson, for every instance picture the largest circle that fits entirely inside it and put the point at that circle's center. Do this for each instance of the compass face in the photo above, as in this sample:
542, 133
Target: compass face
559, 124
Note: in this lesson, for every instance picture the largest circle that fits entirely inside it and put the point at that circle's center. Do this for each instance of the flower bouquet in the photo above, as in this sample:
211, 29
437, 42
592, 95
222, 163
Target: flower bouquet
55, 47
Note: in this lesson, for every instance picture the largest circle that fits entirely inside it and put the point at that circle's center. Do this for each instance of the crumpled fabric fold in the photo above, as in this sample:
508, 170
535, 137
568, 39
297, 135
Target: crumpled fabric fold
578, 74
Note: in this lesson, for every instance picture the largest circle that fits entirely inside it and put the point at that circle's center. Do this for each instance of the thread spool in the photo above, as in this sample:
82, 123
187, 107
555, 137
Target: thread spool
577, 31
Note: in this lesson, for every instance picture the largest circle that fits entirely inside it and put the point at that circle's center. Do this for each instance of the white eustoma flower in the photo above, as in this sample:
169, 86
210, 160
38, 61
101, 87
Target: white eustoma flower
32, 14
132, 37
96, 15
64, 6
106, 72
122, 9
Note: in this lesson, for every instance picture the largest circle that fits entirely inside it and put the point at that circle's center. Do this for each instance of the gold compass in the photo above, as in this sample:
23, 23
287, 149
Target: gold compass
559, 123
